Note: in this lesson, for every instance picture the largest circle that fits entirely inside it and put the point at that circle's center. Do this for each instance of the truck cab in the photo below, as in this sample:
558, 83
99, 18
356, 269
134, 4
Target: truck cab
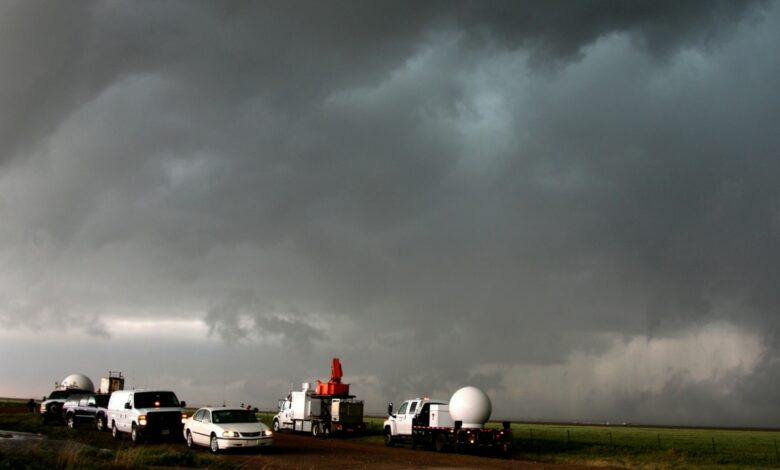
415, 412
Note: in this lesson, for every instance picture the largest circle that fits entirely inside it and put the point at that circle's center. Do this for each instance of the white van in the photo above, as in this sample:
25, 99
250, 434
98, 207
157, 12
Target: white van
145, 413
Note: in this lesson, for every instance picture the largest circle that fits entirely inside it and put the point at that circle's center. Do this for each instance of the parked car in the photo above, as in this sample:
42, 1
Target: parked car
89, 409
51, 407
145, 414
226, 428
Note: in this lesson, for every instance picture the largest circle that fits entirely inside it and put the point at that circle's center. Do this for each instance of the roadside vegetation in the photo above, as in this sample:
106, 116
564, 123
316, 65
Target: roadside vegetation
88, 449
618, 446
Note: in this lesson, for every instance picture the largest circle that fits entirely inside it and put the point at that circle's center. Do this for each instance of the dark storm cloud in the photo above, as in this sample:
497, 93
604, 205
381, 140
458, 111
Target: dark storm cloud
268, 49
388, 182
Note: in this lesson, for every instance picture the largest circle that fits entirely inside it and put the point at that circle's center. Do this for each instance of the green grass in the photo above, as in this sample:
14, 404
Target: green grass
647, 447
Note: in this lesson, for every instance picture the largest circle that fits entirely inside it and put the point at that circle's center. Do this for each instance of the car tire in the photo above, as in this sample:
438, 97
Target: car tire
389, 442
135, 435
70, 421
315, 430
276, 425
54, 411
214, 444
190, 443
115, 432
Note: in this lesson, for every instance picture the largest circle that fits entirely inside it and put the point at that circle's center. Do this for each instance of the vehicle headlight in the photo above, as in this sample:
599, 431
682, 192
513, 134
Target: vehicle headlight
43, 407
229, 434
267, 432
183, 418
142, 420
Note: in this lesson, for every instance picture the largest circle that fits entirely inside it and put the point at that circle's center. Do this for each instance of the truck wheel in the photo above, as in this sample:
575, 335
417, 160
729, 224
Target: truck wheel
115, 431
135, 435
389, 442
214, 444
315, 429
70, 421
440, 442
326, 431
276, 425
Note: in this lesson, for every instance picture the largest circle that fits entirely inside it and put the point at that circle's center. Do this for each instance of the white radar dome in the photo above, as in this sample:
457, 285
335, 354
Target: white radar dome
471, 406
77, 381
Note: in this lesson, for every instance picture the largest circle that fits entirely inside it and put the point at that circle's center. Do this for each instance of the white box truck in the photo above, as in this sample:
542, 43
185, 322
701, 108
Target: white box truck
308, 411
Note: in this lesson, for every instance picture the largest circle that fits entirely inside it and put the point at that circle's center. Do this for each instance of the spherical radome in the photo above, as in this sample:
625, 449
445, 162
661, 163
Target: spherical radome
78, 381
471, 406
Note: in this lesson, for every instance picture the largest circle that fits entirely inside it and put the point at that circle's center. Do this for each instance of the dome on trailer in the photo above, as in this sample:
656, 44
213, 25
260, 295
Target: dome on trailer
77, 381
471, 406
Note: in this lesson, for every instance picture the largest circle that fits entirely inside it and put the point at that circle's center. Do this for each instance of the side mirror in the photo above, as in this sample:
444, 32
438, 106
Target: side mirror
183, 404
127, 406
390, 409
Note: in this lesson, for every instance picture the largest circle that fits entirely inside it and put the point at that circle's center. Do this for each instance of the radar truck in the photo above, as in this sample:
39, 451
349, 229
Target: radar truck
324, 410
457, 425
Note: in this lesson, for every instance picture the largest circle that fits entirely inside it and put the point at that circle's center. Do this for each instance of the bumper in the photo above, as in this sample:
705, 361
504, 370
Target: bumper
156, 431
348, 427
241, 442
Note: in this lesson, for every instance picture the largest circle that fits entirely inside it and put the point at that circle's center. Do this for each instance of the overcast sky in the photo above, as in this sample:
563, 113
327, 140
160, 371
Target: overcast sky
573, 205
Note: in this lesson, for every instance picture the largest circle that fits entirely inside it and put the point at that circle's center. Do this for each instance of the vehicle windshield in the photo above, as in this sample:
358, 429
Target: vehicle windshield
101, 400
155, 399
233, 416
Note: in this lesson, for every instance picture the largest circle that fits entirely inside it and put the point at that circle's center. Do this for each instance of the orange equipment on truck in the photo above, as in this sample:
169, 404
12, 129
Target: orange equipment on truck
334, 386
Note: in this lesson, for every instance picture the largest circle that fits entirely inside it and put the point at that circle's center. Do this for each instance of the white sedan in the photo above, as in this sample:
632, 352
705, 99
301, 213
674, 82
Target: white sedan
222, 428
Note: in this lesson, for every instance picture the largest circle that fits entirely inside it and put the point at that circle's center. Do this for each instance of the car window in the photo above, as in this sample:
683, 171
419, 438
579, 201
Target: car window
155, 399
413, 407
83, 402
199, 415
402, 409
90, 401
206, 416
234, 416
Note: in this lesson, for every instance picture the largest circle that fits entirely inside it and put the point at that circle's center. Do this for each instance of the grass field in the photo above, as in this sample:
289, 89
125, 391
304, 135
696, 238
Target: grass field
620, 446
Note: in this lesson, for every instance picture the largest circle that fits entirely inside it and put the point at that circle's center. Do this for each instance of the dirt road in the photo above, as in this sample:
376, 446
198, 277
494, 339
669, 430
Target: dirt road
294, 451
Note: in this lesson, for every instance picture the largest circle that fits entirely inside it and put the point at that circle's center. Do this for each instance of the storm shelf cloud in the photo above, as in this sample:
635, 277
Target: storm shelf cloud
573, 205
